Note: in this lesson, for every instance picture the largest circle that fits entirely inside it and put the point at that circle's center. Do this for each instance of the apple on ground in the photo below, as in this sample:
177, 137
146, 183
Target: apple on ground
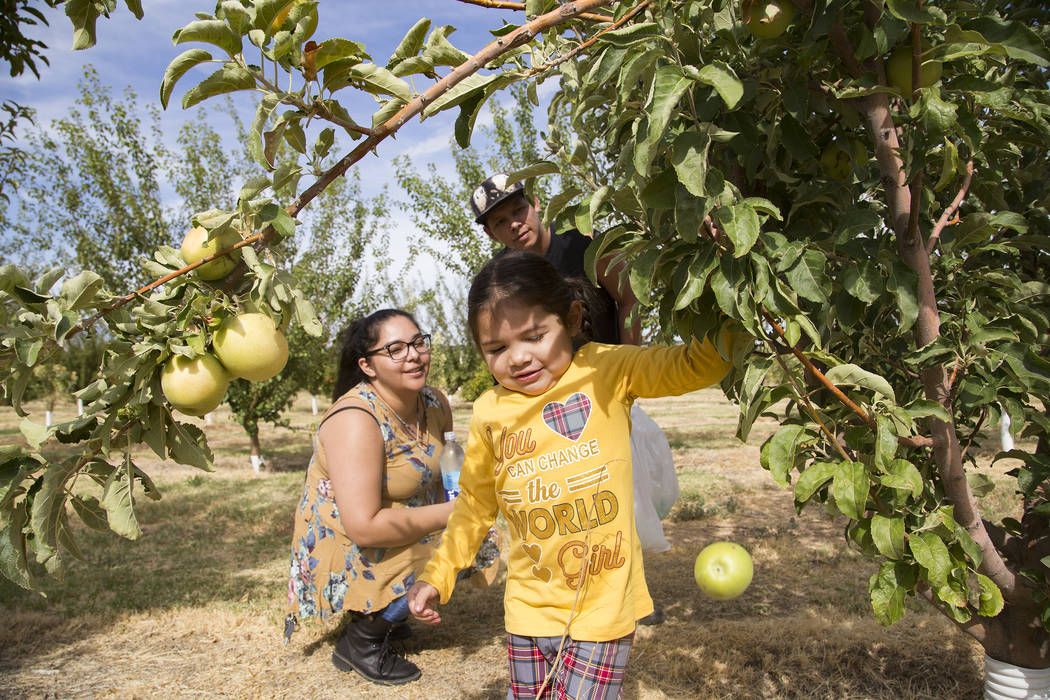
196, 246
768, 19
251, 347
194, 386
723, 570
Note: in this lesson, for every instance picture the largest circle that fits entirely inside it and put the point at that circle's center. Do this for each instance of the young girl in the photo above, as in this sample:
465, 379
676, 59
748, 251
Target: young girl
549, 448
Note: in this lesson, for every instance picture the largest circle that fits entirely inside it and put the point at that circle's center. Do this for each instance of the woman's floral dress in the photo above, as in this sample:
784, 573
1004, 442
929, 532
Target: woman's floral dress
329, 573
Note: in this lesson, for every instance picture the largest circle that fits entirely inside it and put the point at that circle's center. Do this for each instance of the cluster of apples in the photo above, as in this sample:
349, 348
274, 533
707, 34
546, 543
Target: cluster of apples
247, 346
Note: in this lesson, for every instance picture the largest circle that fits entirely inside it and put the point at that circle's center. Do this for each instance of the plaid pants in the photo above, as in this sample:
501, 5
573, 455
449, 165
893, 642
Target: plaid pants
585, 671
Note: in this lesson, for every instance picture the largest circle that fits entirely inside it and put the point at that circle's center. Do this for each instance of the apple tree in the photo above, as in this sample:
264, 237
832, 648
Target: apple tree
898, 288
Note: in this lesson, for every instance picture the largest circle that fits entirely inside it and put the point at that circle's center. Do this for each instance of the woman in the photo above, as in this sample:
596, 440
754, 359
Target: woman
372, 504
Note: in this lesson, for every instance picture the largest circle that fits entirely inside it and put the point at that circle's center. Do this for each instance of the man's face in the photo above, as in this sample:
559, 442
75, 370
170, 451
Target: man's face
516, 224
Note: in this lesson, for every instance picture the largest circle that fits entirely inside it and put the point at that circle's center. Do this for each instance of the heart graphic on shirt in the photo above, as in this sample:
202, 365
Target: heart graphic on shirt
569, 418
533, 551
542, 573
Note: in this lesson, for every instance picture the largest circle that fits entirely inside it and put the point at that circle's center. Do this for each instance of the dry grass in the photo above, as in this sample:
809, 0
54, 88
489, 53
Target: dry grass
193, 609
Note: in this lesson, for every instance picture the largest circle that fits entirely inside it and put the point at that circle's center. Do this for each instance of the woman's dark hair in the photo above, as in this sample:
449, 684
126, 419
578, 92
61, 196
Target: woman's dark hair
357, 339
531, 280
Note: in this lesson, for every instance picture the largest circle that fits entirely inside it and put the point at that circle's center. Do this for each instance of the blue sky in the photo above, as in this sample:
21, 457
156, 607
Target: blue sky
135, 53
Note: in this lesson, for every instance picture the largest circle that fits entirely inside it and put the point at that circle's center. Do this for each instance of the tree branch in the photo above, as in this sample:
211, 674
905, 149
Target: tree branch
956, 203
830, 385
520, 36
536, 70
509, 5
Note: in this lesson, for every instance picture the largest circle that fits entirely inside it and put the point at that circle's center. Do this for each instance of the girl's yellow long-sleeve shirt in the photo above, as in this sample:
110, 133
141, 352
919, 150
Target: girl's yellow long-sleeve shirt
558, 467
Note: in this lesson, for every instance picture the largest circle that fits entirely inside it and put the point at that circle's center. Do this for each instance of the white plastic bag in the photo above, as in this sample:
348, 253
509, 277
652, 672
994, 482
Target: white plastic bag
655, 480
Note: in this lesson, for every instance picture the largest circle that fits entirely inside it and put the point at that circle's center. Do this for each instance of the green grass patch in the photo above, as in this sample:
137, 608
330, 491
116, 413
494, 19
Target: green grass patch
208, 539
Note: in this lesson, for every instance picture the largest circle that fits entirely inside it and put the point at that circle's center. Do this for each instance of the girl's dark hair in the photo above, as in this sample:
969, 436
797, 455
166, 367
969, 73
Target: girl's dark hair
357, 339
531, 280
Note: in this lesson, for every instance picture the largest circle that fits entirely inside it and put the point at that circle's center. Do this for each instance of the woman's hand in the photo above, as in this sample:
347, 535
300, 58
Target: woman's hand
420, 597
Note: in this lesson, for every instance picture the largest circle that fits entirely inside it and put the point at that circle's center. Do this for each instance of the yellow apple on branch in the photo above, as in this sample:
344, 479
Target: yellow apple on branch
196, 246
251, 347
194, 386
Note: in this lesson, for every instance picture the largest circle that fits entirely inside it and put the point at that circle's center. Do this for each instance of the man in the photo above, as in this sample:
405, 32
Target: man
511, 218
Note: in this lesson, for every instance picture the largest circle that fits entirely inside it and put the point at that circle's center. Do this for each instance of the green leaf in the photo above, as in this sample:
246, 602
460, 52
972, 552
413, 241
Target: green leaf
262, 117
386, 112
209, 31
14, 563
49, 504
856, 376
119, 502
1019, 40
924, 408
980, 484
699, 270
91, 512
950, 165
372, 78
807, 277
888, 535
188, 445
306, 316
914, 13
812, 478
903, 284
724, 80
863, 281
888, 590
885, 440
79, 292
332, 50
689, 157
668, 87
780, 452
537, 169
464, 90
902, 474
439, 50
991, 597
230, 78
34, 433
632, 34
932, 555
740, 223
83, 14
48, 279
468, 114
177, 68
850, 488
411, 43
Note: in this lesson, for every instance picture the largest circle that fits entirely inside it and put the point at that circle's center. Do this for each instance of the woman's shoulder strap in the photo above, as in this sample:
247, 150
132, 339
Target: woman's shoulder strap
356, 399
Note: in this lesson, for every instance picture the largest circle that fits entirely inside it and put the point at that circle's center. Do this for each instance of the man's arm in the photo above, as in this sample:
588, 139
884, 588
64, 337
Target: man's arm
623, 295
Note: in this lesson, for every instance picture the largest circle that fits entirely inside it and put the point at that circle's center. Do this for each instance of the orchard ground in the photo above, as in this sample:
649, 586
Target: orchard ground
194, 607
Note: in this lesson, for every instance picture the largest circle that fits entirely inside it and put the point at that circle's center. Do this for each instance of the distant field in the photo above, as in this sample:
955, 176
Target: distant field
194, 607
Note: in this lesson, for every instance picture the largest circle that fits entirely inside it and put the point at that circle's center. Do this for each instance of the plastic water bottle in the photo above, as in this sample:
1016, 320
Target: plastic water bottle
451, 463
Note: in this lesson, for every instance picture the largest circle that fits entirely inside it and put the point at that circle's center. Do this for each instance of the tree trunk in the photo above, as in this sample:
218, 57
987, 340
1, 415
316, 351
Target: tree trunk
256, 452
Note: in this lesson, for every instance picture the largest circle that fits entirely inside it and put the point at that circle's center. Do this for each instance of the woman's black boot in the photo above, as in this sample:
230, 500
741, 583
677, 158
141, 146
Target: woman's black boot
365, 648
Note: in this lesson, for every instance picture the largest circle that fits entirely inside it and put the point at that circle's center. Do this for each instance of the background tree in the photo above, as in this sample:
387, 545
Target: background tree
91, 193
440, 206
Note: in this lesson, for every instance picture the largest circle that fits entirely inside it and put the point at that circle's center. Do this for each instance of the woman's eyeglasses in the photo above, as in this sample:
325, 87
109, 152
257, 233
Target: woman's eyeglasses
398, 350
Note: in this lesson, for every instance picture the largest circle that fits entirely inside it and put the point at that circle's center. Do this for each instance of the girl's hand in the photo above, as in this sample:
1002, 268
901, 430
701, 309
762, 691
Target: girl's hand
420, 597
